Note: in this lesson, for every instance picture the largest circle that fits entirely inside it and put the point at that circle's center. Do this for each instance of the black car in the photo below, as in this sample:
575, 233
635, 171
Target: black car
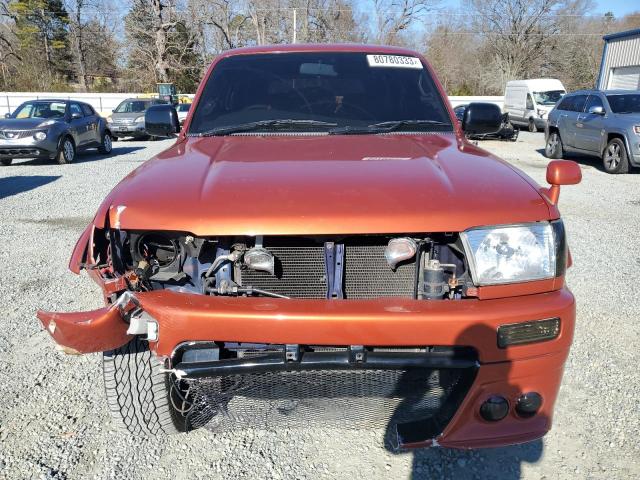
52, 129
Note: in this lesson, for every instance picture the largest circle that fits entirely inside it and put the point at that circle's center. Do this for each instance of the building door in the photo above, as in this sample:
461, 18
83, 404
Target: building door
624, 78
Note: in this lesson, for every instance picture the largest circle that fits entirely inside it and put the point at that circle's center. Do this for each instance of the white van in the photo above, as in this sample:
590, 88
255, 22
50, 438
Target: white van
529, 102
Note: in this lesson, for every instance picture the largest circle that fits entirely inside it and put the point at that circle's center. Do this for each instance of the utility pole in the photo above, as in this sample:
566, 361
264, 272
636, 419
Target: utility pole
294, 25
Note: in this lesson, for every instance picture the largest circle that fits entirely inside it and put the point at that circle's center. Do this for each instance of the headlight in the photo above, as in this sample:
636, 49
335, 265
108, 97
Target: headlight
516, 253
541, 113
139, 119
636, 128
109, 119
40, 135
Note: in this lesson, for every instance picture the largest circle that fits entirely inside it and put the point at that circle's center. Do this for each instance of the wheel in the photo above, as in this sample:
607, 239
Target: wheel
553, 148
532, 126
66, 151
614, 157
107, 143
6, 161
138, 391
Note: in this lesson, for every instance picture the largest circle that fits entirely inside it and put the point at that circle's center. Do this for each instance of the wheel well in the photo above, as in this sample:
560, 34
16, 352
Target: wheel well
106, 130
553, 129
70, 137
611, 136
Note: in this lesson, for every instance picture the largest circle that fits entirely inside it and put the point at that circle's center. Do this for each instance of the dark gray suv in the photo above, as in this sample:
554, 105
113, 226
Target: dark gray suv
52, 129
127, 120
605, 124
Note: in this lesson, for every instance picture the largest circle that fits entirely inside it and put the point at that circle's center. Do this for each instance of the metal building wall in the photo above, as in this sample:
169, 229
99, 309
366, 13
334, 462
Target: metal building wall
619, 52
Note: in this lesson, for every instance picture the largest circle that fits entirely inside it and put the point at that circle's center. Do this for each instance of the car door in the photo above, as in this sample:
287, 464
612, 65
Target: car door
569, 119
94, 136
589, 126
78, 123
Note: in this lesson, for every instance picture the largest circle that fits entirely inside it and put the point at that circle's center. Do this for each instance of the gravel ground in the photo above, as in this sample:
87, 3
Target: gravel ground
55, 422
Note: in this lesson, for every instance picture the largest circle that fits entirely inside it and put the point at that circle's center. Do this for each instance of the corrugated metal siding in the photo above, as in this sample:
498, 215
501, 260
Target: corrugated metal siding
624, 52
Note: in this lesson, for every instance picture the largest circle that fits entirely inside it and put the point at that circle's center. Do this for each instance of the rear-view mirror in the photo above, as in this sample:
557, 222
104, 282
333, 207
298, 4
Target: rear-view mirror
161, 120
7, 115
596, 110
481, 118
562, 172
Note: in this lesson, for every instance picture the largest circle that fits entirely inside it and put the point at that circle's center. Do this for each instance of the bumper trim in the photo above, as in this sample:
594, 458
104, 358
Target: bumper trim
324, 361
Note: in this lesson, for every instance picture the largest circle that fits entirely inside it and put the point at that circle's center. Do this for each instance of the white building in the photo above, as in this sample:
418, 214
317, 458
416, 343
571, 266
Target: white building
620, 67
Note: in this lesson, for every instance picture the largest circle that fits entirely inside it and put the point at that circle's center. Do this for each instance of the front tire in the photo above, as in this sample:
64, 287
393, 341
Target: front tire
532, 126
138, 391
66, 151
614, 157
6, 161
553, 148
107, 144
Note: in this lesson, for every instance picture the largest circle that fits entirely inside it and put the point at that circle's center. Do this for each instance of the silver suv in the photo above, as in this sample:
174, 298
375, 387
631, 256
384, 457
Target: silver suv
605, 124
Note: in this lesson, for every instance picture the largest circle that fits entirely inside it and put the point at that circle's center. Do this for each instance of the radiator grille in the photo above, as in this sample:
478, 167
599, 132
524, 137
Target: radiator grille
300, 272
367, 274
343, 398
17, 134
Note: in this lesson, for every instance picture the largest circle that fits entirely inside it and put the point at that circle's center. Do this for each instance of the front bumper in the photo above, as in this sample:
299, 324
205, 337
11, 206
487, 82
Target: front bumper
128, 130
28, 149
506, 372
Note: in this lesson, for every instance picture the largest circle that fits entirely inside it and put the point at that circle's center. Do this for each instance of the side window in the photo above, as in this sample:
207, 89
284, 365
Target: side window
75, 108
529, 102
88, 111
578, 103
566, 103
593, 101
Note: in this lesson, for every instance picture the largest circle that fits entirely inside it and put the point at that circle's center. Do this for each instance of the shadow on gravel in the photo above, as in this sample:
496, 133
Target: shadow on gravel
586, 160
13, 185
492, 463
91, 156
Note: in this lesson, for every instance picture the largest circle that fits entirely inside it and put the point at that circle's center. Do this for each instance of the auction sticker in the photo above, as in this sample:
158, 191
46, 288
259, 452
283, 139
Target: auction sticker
397, 61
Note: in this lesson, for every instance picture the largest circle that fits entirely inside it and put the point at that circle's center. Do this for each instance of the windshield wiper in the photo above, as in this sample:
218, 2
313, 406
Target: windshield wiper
263, 124
383, 127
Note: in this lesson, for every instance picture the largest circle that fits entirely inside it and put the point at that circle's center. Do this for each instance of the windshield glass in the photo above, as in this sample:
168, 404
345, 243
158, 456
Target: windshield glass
548, 98
132, 106
624, 103
341, 89
184, 107
40, 110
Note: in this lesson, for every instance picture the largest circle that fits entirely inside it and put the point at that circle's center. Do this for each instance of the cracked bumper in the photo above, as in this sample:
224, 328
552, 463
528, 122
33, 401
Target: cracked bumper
386, 322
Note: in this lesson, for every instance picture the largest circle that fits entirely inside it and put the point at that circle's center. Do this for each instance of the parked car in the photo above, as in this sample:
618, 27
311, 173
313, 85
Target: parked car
322, 244
127, 119
183, 110
506, 132
52, 129
605, 124
528, 102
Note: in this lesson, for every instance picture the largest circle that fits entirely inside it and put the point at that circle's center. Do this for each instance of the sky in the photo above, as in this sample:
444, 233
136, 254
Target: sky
618, 7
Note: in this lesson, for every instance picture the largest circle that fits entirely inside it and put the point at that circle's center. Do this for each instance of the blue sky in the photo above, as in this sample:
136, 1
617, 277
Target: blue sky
618, 7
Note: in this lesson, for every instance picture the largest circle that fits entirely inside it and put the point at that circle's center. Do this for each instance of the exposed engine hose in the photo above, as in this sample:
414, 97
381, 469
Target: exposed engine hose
231, 257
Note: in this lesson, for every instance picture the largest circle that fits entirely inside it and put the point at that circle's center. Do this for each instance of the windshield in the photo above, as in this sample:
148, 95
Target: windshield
548, 98
40, 110
624, 103
184, 107
319, 91
132, 106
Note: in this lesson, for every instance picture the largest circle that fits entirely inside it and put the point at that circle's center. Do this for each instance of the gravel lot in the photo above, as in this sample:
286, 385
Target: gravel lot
55, 422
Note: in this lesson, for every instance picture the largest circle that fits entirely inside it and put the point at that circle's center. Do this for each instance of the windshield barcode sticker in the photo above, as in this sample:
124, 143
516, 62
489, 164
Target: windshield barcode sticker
397, 61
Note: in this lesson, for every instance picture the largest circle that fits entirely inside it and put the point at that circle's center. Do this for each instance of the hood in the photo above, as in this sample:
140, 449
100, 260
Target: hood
630, 118
248, 185
22, 123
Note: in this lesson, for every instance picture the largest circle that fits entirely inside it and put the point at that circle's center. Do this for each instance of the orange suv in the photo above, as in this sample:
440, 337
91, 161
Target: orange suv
321, 244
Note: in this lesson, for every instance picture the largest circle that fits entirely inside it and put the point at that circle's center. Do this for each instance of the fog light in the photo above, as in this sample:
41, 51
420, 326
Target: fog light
494, 409
528, 332
40, 135
528, 404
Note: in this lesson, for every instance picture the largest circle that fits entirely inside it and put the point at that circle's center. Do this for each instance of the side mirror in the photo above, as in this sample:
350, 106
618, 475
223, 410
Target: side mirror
161, 120
76, 115
481, 118
7, 115
596, 110
561, 172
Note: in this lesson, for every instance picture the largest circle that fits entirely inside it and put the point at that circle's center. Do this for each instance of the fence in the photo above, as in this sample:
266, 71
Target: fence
105, 102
